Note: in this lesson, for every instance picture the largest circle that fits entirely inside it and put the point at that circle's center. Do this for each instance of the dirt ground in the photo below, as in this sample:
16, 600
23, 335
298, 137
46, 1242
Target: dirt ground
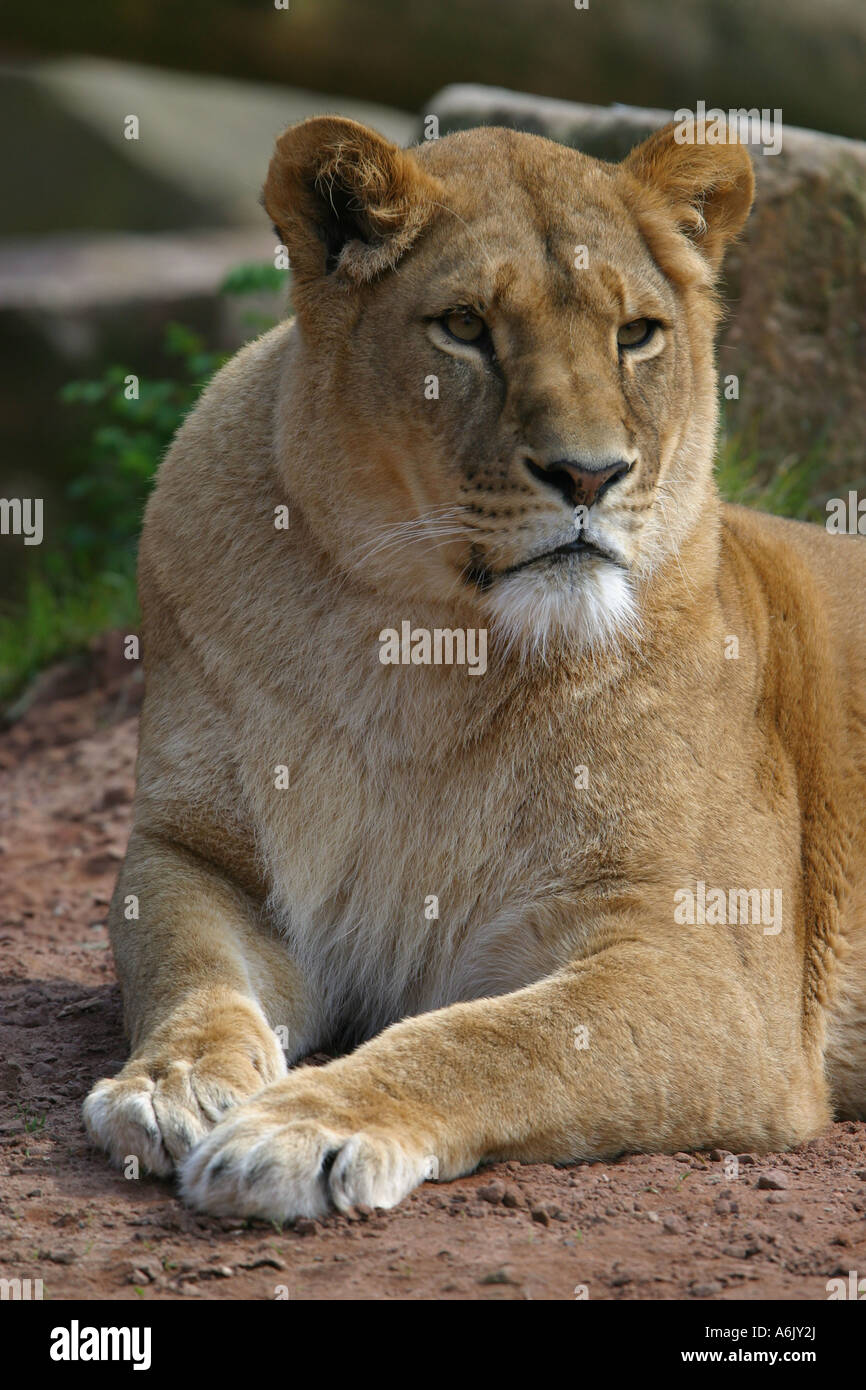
642, 1228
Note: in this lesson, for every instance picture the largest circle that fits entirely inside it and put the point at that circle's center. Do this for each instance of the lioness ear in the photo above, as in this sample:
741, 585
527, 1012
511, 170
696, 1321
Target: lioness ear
345, 199
709, 187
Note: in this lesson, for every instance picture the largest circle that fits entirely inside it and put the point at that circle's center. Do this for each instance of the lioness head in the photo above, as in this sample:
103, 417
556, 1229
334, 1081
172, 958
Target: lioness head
507, 358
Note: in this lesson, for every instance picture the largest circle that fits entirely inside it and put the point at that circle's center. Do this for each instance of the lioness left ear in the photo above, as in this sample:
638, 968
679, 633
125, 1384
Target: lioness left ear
345, 199
709, 187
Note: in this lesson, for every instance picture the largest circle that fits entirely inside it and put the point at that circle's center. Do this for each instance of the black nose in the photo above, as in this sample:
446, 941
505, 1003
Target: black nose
579, 484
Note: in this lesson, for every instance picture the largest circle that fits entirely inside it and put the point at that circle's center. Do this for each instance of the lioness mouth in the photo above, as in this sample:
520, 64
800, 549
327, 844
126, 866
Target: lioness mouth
579, 546
483, 577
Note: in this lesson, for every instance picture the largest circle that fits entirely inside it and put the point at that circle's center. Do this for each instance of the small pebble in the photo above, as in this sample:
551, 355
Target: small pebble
494, 1193
498, 1276
774, 1180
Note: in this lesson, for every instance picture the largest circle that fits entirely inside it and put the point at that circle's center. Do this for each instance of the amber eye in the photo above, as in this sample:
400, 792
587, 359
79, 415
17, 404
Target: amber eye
636, 333
465, 325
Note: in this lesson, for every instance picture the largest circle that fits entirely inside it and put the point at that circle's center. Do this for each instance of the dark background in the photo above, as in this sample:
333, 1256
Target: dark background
806, 56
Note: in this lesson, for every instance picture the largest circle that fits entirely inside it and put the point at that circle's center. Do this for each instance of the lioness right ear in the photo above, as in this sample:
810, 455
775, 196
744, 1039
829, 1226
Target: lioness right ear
344, 199
708, 187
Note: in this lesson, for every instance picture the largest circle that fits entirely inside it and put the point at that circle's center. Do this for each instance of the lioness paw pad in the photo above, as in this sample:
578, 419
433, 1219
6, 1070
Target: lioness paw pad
255, 1165
158, 1115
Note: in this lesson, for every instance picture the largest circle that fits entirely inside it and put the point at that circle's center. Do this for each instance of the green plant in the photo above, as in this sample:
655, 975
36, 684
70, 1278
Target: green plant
33, 1123
786, 486
85, 584
133, 424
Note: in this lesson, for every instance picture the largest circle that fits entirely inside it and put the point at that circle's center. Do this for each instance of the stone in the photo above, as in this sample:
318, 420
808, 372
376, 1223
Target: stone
493, 1192
774, 1180
499, 1276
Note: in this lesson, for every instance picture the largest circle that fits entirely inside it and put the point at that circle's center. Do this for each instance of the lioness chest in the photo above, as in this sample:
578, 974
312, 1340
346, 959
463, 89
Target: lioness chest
405, 884
401, 898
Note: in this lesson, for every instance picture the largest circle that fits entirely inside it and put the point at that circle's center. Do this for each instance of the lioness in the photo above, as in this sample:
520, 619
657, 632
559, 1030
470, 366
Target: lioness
605, 890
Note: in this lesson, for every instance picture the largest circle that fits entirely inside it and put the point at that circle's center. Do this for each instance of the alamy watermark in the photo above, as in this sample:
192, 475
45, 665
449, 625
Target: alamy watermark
855, 1288
77, 1343
17, 1290
717, 907
441, 646
22, 516
846, 516
713, 126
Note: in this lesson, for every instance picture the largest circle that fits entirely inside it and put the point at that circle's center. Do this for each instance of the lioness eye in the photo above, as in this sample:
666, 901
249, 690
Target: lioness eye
465, 325
636, 333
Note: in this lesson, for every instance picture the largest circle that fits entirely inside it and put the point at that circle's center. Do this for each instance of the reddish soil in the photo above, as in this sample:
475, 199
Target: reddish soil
642, 1228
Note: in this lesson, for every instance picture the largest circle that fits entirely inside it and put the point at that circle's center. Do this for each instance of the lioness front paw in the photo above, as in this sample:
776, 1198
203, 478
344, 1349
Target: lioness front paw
263, 1161
157, 1109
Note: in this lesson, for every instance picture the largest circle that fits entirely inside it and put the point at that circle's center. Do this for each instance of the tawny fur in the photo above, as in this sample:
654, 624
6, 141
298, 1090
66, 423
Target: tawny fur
555, 1009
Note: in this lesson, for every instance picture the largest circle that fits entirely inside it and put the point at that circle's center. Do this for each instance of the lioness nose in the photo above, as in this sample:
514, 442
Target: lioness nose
580, 484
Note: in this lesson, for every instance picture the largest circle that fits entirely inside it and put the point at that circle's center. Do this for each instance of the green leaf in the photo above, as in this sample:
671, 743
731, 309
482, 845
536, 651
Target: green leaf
254, 278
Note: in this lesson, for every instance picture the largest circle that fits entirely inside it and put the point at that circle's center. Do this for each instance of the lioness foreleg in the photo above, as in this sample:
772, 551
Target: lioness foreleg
198, 976
634, 1048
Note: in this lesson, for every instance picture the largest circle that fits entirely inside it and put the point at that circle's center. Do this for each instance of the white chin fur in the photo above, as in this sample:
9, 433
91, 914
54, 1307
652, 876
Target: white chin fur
588, 604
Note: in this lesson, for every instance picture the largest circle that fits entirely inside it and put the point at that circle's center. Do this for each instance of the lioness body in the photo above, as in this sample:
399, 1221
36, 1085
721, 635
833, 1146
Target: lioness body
300, 806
